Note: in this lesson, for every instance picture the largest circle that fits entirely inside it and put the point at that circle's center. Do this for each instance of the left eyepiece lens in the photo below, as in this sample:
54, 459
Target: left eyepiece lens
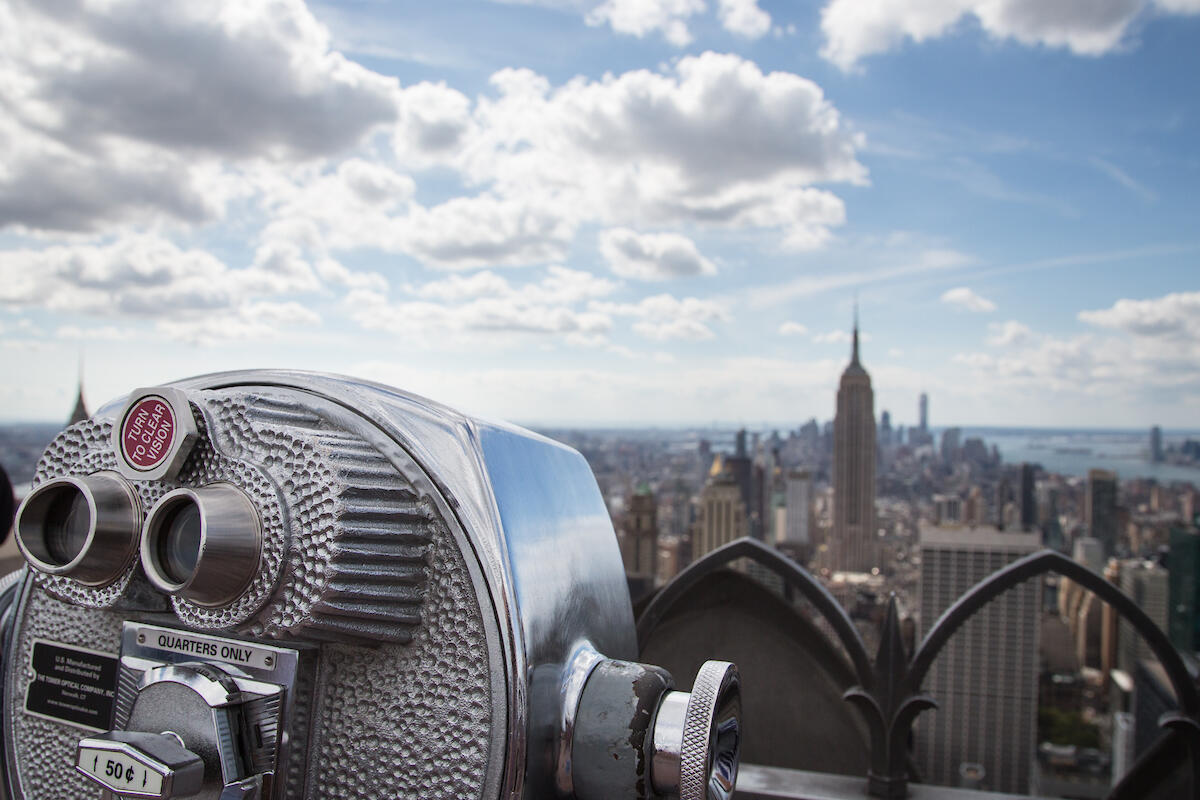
85, 528
68, 523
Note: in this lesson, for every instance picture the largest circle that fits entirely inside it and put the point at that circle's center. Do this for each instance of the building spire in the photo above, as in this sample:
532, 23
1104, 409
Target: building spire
854, 353
80, 413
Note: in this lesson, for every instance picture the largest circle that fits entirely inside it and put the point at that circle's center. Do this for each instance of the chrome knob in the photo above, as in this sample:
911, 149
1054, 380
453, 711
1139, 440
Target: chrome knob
697, 736
139, 764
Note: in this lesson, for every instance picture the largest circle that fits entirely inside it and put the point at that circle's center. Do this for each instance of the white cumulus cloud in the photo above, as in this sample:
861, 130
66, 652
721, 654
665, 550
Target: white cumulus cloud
670, 18
790, 328
1006, 334
642, 17
131, 110
189, 294
743, 17
854, 29
652, 256
1173, 316
663, 317
963, 297
486, 309
713, 142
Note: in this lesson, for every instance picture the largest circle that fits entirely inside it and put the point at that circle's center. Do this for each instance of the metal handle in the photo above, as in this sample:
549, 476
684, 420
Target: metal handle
138, 764
697, 736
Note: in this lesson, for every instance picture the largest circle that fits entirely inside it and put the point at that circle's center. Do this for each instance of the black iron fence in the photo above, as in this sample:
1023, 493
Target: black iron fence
888, 690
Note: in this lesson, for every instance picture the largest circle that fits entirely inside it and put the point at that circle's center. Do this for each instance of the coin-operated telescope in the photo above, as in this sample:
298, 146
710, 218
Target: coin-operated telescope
283, 585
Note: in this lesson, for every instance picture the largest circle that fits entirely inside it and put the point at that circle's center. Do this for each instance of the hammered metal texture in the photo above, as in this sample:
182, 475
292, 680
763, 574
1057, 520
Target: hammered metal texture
44, 749
410, 721
358, 530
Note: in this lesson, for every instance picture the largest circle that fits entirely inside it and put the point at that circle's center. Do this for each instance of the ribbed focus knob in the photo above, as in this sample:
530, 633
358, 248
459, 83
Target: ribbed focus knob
697, 736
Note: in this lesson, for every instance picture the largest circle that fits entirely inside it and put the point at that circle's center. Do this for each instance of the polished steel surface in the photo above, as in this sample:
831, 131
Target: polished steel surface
227, 552
536, 524
217, 688
579, 667
112, 525
668, 742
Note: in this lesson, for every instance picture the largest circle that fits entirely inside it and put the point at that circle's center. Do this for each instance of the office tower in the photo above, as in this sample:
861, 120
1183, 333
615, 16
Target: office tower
639, 542
1090, 553
885, 428
1183, 570
1109, 629
1188, 507
950, 444
1156, 446
1028, 510
1146, 583
975, 509
722, 514
741, 467
1003, 498
1100, 508
948, 509
924, 412
985, 679
854, 469
794, 536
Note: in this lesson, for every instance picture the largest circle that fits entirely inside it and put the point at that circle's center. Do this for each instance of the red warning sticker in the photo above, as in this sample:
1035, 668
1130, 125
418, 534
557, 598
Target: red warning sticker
147, 433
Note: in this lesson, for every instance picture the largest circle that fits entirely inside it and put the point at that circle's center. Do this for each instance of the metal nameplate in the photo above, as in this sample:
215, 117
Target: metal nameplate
151, 639
71, 685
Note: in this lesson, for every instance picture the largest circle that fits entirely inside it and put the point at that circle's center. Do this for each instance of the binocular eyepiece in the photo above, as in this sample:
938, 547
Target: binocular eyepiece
85, 528
201, 544
274, 584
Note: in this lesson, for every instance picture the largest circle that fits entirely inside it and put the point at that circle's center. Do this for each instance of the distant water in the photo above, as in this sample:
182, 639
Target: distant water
1074, 452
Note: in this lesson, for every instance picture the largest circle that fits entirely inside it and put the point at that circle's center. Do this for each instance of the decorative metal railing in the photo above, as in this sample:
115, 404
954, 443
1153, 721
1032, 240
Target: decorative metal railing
889, 688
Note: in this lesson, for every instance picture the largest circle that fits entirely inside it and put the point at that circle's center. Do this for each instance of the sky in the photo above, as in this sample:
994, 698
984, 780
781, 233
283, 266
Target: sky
610, 212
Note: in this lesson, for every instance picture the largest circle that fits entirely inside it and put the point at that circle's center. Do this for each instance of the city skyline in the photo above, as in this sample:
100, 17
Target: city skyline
607, 212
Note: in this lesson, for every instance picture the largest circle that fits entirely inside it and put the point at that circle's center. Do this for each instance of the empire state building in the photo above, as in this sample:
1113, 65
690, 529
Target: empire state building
854, 469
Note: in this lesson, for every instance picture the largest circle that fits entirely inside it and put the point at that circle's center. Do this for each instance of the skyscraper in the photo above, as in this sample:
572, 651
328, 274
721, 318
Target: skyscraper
951, 438
722, 515
638, 540
1183, 583
854, 468
924, 409
1029, 516
741, 467
794, 536
1100, 508
1146, 582
1156, 447
985, 680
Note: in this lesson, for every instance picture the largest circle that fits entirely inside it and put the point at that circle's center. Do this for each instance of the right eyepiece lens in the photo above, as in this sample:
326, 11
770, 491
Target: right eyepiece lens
179, 542
203, 545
